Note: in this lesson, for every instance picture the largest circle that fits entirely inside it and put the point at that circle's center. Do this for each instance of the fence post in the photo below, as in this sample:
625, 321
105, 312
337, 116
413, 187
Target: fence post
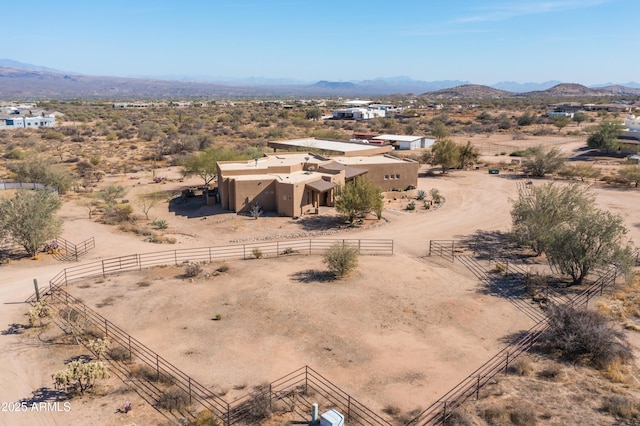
189, 389
277, 249
444, 412
306, 379
244, 251
130, 354
359, 248
506, 366
175, 257
309, 245
478, 389
157, 368
106, 328
392, 241
103, 274
270, 398
453, 250
348, 407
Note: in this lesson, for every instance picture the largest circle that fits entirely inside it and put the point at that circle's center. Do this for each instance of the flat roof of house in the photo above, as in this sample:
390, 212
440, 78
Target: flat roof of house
398, 138
271, 160
324, 144
375, 159
294, 177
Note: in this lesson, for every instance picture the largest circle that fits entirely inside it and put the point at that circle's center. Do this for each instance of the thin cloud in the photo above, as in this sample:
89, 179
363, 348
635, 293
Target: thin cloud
501, 12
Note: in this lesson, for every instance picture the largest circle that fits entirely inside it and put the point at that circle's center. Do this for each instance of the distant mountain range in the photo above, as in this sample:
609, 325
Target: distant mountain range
26, 81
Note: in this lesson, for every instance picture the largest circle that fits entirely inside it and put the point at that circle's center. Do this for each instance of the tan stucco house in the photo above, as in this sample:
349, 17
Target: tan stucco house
297, 183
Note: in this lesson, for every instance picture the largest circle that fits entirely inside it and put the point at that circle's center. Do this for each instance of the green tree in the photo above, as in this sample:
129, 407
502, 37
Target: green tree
591, 241
468, 154
111, 193
149, 130
605, 135
29, 218
439, 130
358, 198
526, 119
561, 121
313, 114
40, 170
539, 162
537, 212
446, 154
341, 259
580, 117
630, 173
205, 163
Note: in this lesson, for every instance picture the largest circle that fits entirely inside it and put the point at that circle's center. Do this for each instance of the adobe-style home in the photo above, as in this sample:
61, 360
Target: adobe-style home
297, 183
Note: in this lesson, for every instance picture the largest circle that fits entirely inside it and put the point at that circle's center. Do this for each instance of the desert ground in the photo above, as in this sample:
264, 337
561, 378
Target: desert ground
401, 330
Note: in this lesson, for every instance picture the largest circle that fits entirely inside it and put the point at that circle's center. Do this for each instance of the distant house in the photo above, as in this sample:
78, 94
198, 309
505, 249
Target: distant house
294, 184
21, 122
405, 142
357, 113
329, 147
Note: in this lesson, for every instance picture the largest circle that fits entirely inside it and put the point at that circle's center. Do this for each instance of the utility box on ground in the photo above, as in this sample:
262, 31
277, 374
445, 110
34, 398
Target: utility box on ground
331, 418
494, 171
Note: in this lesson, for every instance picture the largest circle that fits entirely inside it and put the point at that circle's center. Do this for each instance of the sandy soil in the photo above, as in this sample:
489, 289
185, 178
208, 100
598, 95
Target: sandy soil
400, 330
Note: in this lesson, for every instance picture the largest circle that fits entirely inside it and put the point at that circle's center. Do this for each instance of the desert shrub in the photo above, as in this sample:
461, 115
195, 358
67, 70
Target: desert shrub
435, 195
119, 353
621, 407
420, 195
460, 417
207, 418
160, 224
257, 253
551, 372
521, 367
516, 416
148, 373
222, 268
259, 405
584, 336
341, 259
173, 399
37, 313
192, 270
99, 346
411, 205
288, 250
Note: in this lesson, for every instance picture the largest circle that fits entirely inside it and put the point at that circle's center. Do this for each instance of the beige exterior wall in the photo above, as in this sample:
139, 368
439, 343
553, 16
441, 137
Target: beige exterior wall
389, 176
248, 192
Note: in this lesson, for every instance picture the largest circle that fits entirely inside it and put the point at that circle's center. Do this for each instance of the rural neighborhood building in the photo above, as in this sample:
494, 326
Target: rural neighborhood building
21, 122
293, 184
357, 113
329, 147
405, 142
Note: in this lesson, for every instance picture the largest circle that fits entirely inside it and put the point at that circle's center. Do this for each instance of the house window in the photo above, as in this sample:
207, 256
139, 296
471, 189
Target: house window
386, 177
397, 176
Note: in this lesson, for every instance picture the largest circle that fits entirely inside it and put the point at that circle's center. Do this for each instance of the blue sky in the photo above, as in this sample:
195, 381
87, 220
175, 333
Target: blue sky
481, 41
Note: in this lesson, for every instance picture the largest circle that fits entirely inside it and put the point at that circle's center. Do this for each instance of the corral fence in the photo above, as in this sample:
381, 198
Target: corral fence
69, 251
439, 411
136, 262
448, 249
302, 388
298, 387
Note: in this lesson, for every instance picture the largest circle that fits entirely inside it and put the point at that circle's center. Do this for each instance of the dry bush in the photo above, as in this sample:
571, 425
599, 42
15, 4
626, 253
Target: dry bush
621, 407
119, 353
341, 259
207, 418
173, 399
550, 373
148, 373
518, 415
259, 405
521, 367
192, 270
584, 336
